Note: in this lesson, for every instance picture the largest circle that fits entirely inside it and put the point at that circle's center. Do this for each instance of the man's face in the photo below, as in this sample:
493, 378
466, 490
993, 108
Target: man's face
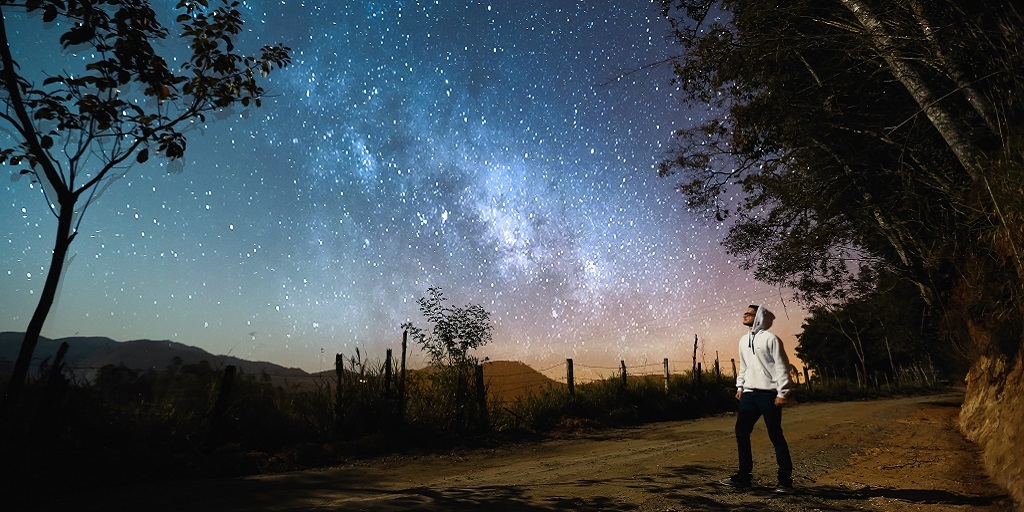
748, 317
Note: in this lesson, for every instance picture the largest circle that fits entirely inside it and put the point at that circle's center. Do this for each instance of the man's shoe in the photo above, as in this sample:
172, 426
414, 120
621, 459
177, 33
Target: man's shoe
783, 489
736, 482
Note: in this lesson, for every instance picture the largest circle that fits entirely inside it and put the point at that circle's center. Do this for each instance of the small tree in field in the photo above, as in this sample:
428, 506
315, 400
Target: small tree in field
110, 102
454, 333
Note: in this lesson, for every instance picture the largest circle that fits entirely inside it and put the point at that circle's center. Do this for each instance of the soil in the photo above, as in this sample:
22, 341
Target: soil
902, 454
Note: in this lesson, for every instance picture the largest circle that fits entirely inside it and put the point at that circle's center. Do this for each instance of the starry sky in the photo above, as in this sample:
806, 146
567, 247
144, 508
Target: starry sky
503, 151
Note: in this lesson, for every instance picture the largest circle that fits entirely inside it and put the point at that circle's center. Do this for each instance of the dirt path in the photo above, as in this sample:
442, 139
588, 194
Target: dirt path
888, 455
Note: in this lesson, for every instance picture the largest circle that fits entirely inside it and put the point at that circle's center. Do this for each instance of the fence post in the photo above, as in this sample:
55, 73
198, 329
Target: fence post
694, 352
387, 374
401, 378
666, 374
699, 372
623, 365
733, 361
339, 373
568, 377
481, 398
718, 370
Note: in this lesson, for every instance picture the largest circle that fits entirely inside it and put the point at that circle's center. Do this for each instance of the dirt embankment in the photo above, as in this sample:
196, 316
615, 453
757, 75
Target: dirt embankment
887, 455
993, 417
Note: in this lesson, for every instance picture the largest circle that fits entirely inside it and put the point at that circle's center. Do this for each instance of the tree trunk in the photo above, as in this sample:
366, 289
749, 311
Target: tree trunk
956, 136
49, 292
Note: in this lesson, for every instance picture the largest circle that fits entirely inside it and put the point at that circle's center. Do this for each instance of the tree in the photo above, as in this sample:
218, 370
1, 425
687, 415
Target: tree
112, 105
454, 333
884, 332
853, 139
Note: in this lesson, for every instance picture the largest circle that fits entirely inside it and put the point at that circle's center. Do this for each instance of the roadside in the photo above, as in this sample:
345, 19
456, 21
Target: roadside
885, 455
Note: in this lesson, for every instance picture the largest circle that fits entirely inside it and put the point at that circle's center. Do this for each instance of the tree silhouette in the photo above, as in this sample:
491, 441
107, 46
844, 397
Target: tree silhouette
112, 102
454, 332
853, 139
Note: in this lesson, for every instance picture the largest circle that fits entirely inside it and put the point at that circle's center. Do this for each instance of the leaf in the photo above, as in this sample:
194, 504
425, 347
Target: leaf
77, 35
142, 156
46, 142
49, 13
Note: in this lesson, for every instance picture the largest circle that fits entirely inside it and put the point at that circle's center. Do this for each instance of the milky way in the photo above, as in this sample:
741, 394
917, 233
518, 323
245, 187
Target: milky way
502, 151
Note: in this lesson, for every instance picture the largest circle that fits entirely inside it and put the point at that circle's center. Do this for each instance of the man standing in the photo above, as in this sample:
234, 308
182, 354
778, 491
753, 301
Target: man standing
762, 386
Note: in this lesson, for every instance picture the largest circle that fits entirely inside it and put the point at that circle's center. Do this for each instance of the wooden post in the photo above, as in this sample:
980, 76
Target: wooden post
481, 399
807, 379
339, 373
699, 372
387, 374
568, 377
401, 378
623, 365
718, 370
694, 352
666, 374
733, 361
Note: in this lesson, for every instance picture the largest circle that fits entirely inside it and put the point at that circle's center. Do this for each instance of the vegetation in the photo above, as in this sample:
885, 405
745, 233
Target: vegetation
865, 153
110, 104
199, 420
454, 332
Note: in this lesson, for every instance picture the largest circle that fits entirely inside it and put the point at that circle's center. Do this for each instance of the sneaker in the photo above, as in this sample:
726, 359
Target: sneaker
783, 489
736, 482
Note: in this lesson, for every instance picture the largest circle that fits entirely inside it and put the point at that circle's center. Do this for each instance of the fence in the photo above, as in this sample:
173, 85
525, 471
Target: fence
361, 396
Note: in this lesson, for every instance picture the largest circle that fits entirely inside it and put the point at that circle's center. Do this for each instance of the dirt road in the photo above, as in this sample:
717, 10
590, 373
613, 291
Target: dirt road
887, 455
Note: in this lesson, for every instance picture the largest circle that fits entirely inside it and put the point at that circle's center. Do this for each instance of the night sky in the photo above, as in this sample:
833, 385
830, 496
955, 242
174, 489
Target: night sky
502, 151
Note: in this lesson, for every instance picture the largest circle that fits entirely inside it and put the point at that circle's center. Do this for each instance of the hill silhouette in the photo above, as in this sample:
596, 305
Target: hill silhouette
88, 354
506, 380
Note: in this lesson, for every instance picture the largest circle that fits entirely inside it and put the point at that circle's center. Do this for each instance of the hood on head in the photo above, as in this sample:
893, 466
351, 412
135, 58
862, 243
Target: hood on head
762, 320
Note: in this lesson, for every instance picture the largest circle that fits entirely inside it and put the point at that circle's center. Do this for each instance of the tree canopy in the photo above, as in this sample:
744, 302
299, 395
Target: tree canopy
109, 99
854, 142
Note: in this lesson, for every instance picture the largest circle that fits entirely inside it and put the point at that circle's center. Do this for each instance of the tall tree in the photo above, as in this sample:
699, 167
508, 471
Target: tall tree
856, 137
111, 101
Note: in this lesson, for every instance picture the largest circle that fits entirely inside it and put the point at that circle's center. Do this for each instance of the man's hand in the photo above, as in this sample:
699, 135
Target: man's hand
739, 394
781, 402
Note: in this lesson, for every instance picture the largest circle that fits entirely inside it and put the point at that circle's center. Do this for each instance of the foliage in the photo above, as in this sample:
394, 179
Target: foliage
854, 143
369, 401
882, 332
112, 102
454, 332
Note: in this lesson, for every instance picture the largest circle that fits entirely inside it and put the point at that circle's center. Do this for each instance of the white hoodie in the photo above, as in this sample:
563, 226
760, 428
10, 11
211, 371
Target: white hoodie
763, 361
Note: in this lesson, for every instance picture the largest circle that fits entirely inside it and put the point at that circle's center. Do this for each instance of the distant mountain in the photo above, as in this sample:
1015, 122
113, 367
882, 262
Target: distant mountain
88, 354
506, 380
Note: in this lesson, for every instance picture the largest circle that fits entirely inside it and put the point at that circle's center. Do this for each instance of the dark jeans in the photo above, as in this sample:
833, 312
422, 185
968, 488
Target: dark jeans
753, 405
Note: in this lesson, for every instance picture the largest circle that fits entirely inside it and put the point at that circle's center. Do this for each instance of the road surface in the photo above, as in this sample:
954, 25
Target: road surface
884, 455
